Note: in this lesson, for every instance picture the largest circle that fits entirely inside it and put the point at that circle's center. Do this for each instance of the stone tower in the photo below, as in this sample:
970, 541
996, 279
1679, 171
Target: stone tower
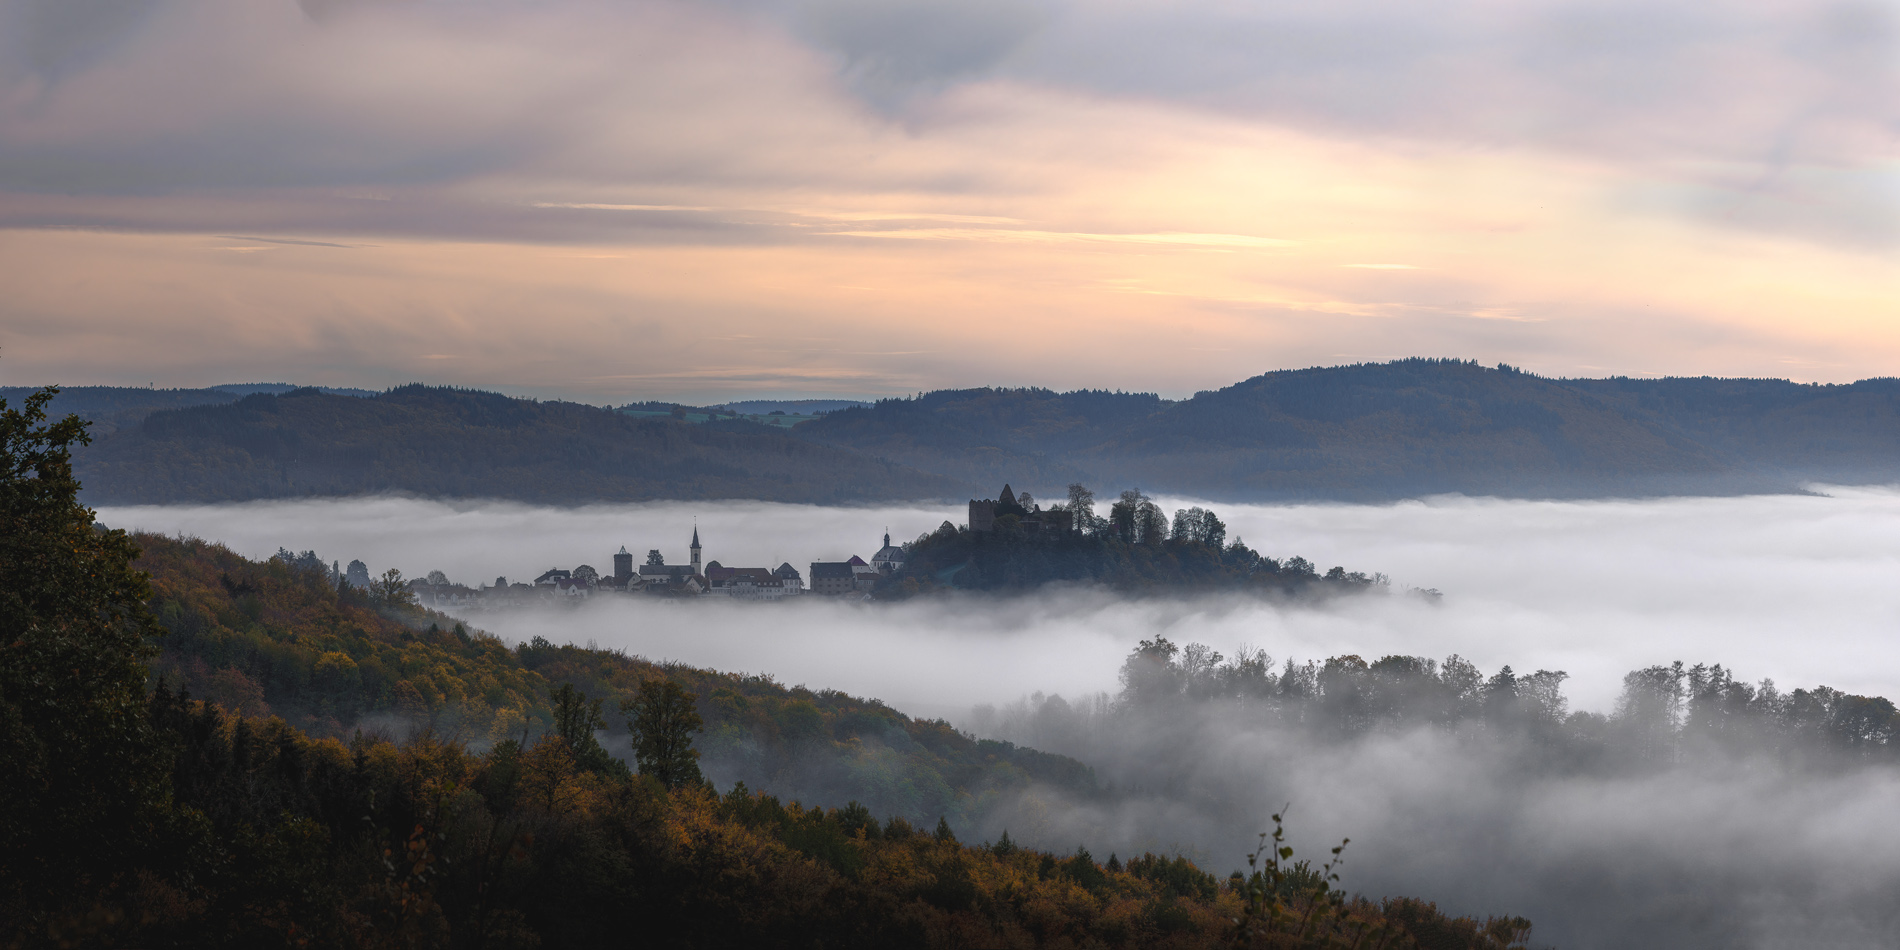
623, 567
695, 550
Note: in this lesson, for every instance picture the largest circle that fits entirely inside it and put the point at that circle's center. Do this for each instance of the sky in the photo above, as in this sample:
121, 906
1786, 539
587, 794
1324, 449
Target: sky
727, 198
1797, 588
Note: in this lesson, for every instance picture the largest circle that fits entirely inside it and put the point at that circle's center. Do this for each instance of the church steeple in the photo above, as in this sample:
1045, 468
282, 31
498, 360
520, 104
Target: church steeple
695, 550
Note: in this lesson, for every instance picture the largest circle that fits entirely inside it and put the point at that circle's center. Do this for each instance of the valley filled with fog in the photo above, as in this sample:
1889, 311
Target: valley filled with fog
1607, 830
1797, 588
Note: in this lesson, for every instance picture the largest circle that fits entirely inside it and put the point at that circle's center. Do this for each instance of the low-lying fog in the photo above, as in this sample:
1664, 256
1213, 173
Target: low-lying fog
1799, 588
1732, 850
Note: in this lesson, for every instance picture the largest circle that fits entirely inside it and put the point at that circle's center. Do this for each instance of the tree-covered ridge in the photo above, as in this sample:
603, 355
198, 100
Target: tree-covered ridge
987, 436
1409, 427
1359, 432
463, 444
1136, 549
276, 638
272, 838
111, 408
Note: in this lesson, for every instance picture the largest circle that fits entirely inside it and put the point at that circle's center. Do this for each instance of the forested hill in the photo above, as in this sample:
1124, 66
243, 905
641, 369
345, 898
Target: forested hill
1410, 427
1352, 433
112, 408
464, 444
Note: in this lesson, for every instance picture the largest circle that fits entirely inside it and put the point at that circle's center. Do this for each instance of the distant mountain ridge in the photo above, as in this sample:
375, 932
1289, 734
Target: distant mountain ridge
465, 444
278, 389
1373, 432
1366, 432
112, 408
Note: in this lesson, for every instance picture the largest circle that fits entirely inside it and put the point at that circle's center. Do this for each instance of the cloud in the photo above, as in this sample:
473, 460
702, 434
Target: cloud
54, 38
892, 50
1015, 236
1642, 188
132, 96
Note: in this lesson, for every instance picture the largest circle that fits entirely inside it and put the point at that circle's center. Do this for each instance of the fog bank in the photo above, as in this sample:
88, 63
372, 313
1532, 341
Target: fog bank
1726, 852
1797, 588
1737, 850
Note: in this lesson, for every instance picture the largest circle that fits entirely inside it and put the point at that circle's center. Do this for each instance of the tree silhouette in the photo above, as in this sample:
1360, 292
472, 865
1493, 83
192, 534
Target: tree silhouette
1081, 508
663, 721
391, 590
77, 755
575, 720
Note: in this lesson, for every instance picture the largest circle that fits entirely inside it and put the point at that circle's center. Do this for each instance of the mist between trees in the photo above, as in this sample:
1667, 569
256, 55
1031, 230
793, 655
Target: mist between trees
1703, 811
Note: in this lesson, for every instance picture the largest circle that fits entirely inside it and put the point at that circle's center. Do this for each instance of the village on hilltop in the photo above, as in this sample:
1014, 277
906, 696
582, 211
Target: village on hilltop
852, 578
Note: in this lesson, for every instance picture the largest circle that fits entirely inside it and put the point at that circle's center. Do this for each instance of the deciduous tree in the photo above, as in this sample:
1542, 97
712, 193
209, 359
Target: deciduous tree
663, 721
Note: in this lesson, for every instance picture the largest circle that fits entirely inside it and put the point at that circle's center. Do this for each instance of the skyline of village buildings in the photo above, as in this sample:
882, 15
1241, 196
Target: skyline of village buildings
853, 576
655, 577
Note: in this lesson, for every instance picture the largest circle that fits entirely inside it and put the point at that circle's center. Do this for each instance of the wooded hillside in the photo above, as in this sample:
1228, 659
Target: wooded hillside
1411, 427
462, 444
1350, 433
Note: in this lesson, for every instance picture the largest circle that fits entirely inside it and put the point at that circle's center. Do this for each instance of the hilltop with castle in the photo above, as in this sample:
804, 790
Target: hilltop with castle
1009, 542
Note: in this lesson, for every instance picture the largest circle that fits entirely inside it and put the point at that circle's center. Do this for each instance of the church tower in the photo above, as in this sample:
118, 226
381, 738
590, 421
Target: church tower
695, 550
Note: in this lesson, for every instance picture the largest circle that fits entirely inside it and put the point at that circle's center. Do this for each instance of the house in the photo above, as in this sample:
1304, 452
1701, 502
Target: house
863, 576
552, 576
832, 577
749, 583
789, 579
445, 596
504, 594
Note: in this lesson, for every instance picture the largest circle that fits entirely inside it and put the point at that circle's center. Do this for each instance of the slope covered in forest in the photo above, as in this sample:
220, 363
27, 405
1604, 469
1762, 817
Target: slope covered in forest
112, 408
1366, 432
279, 638
1411, 427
